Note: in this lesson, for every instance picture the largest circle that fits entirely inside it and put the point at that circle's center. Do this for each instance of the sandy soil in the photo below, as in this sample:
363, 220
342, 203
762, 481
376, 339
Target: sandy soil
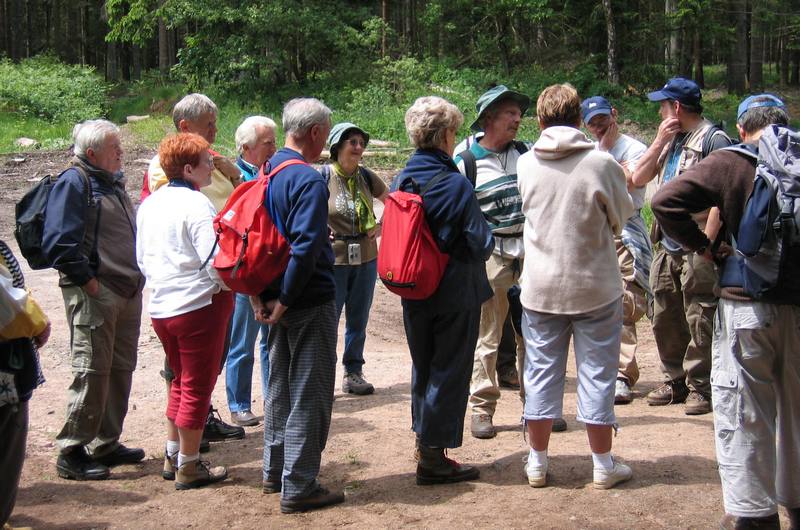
370, 448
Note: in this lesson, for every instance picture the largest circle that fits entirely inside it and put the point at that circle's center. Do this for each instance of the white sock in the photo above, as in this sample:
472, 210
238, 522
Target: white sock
173, 446
603, 461
183, 459
537, 458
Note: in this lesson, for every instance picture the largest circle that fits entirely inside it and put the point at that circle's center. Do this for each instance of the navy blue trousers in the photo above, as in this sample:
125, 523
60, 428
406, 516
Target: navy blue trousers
442, 347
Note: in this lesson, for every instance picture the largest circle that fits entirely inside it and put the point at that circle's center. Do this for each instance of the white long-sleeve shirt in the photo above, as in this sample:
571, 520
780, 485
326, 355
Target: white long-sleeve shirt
175, 235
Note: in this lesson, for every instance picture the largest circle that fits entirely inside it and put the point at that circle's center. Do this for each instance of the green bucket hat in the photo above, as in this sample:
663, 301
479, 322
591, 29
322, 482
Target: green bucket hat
339, 131
493, 95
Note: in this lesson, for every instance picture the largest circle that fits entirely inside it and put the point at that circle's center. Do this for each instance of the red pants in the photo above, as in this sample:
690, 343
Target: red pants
193, 343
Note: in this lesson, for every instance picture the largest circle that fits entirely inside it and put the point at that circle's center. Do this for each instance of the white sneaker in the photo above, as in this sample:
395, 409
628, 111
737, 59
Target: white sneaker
622, 393
537, 475
604, 479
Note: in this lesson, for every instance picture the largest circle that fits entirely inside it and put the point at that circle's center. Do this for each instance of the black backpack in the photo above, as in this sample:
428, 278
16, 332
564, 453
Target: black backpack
29, 213
714, 131
471, 164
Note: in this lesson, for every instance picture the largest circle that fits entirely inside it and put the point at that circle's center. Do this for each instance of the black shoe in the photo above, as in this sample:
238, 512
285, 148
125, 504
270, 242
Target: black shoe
559, 425
320, 498
77, 465
435, 468
217, 430
120, 456
794, 518
731, 522
271, 486
204, 446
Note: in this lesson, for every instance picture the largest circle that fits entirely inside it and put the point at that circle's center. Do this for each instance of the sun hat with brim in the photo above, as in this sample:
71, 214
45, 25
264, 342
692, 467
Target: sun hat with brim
678, 89
759, 100
494, 95
338, 132
594, 106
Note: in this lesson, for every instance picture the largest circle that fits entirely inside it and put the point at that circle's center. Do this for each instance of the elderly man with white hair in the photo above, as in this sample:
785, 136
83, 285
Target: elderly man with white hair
301, 308
255, 142
89, 237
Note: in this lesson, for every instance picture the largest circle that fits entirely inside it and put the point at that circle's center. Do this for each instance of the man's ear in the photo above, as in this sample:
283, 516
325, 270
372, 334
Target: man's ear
182, 127
742, 133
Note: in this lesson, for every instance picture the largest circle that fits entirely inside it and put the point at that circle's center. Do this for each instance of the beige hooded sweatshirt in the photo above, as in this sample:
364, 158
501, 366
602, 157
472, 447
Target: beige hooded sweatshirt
575, 200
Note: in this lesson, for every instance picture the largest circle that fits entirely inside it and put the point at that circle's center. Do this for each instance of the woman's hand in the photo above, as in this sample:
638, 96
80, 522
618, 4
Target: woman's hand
41, 339
373, 233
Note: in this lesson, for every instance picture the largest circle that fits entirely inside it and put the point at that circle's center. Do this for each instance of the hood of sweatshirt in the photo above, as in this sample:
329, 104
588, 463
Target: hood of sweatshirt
560, 142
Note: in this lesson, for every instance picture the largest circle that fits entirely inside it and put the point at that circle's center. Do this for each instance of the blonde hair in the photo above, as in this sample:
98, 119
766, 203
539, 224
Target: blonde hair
429, 119
559, 105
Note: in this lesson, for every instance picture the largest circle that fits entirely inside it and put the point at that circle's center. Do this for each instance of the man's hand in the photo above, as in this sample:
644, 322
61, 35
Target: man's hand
667, 131
92, 287
41, 339
609, 137
259, 309
277, 310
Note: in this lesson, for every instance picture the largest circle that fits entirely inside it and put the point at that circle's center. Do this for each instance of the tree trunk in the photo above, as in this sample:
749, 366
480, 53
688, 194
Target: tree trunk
112, 70
697, 59
684, 63
613, 62
17, 38
794, 73
737, 61
385, 19
136, 62
783, 61
757, 47
671, 51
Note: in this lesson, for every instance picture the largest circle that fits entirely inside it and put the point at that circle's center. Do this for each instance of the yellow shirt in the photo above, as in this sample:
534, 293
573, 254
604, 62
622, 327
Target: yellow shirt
224, 179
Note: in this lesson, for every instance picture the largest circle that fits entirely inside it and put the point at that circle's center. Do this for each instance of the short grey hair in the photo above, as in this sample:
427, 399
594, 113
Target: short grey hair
191, 107
429, 119
246, 134
300, 114
757, 118
91, 134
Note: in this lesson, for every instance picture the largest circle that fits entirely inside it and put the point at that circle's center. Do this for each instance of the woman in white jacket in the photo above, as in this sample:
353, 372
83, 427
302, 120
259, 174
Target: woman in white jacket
575, 200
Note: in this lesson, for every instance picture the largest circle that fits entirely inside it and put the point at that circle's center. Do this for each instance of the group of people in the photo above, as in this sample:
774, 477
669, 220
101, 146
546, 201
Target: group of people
548, 236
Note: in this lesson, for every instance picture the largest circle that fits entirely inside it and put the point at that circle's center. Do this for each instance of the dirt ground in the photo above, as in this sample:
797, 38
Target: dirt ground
369, 451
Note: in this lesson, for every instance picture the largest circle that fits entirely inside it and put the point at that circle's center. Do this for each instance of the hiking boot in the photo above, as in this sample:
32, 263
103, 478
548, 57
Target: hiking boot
244, 418
537, 475
198, 473
319, 498
668, 393
604, 479
170, 463
794, 518
622, 393
731, 522
435, 468
271, 486
77, 465
559, 425
120, 456
696, 404
481, 426
508, 378
354, 383
217, 430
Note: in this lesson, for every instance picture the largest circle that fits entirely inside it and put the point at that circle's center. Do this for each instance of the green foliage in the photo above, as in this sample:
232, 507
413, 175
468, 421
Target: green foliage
45, 88
50, 135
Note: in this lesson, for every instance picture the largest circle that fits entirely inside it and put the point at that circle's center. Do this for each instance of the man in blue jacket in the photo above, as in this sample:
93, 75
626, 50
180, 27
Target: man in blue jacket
301, 309
89, 237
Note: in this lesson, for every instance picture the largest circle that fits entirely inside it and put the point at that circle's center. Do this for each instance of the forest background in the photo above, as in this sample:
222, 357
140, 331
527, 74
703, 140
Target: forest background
62, 61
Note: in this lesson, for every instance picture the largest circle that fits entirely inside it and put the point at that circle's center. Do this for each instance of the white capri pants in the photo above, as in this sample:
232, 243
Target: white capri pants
597, 340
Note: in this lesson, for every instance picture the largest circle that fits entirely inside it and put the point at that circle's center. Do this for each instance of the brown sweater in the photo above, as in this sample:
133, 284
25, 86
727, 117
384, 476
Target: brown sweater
723, 179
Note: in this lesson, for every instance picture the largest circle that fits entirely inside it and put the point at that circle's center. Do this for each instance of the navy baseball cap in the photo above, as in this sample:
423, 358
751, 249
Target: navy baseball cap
593, 106
759, 100
679, 89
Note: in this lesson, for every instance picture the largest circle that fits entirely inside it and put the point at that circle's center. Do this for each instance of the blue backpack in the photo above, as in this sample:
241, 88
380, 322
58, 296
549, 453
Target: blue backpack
768, 243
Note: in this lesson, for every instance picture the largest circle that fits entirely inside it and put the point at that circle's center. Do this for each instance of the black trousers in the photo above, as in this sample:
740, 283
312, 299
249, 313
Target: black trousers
442, 347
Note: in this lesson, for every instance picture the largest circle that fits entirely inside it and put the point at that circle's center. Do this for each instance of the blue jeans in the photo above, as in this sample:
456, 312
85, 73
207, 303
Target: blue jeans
355, 285
239, 369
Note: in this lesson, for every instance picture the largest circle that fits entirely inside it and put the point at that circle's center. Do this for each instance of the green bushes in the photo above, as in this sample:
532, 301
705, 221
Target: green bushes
42, 87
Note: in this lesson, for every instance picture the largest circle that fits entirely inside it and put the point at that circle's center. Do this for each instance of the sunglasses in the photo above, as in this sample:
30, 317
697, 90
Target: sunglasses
355, 142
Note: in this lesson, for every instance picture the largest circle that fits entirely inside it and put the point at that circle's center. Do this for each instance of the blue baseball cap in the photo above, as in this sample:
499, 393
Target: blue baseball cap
593, 106
759, 100
679, 89
495, 94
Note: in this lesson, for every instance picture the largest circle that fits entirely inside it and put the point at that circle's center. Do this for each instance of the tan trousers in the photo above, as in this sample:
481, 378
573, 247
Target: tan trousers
683, 316
634, 307
105, 334
484, 390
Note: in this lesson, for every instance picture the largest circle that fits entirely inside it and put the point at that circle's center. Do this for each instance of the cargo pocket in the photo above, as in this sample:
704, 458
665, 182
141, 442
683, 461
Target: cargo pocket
726, 401
88, 316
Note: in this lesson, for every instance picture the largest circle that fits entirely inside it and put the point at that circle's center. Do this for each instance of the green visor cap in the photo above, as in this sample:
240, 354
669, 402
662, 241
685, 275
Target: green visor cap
338, 131
496, 94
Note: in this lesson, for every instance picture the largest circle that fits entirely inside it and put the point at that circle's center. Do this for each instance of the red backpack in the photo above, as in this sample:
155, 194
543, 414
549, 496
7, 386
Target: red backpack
252, 252
410, 263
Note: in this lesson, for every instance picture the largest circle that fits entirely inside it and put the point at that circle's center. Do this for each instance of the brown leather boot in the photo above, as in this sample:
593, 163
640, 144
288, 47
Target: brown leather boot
197, 473
170, 464
731, 522
435, 468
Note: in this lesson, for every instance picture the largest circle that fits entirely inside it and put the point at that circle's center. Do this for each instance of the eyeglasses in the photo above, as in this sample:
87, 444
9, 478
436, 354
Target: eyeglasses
355, 142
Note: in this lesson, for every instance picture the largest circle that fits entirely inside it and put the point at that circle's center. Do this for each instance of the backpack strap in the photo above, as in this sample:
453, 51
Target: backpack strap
749, 151
325, 171
520, 147
432, 182
367, 178
470, 166
708, 139
286, 163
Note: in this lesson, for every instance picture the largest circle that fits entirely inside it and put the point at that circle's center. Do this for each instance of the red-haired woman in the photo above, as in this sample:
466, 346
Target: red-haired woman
189, 305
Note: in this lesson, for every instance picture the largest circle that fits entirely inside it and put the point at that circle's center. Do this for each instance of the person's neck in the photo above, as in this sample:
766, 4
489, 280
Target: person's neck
348, 168
301, 147
690, 122
494, 143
